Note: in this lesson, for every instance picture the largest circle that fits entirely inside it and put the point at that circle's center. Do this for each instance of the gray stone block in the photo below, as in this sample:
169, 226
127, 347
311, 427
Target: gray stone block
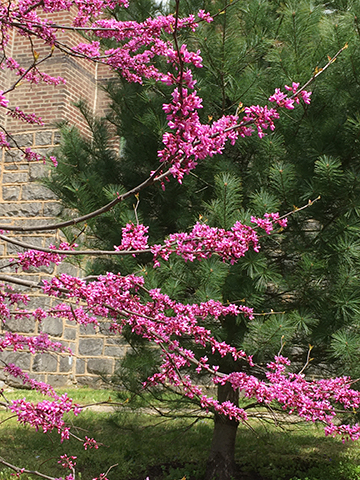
36, 241
52, 209
15, 177
45, 363
70, 269
20, 325
38, 376
14, 155
104, 328
36, 192
116, 341
21, 209
12, 249
39, 302
49, 270
43, 138
115, 351
80, 366
57, 138
88, 381
20, 359
3, 263
11, 193
70, 334
36, 171
52, 326
16, 167
31, 278
99, 366
24, 222
91, 346
59, 380
88, 329
22, 140
66, 364
11, 381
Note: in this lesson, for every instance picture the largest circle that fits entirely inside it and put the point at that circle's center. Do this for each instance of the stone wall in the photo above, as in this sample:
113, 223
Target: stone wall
23, 200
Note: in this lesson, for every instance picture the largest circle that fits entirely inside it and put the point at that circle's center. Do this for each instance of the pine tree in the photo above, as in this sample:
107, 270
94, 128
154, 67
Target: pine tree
305, 283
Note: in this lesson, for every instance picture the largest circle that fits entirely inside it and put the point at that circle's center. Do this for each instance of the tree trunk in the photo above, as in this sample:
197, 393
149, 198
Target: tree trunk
221, 462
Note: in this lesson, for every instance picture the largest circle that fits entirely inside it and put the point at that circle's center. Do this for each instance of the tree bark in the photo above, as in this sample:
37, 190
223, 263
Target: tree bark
221, 462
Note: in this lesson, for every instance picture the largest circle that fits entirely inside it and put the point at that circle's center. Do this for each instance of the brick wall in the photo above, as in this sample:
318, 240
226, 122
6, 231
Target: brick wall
54, 103
23, 200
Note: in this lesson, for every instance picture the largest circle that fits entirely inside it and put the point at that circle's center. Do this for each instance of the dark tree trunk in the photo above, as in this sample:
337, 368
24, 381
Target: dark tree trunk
221, 462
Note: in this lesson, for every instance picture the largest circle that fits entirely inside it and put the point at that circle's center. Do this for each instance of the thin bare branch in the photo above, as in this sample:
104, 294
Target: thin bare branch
320, 70
32, 66
13, 241
108, 470
24, 470
308, 360
68, 223
309, 204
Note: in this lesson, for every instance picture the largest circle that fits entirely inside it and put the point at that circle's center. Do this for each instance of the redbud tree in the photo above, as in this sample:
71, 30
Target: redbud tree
179, 330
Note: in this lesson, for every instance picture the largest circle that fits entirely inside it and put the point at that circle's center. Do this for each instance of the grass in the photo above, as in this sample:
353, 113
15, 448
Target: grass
136, 442
143, 445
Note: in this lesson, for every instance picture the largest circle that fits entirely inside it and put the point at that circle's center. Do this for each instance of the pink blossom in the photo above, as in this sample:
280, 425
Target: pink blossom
133, 237
35, 258
3, 100
90, 443
205, 16
67, 462
54, 161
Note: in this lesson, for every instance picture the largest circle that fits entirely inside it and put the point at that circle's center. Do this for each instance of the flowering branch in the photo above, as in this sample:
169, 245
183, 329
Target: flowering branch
174, 327
19, 471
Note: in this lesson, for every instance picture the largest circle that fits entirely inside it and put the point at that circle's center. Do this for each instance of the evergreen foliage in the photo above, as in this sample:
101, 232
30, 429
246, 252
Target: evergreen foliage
306, 277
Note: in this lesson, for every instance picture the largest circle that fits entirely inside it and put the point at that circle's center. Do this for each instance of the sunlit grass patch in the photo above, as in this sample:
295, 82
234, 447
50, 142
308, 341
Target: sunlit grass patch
143, 444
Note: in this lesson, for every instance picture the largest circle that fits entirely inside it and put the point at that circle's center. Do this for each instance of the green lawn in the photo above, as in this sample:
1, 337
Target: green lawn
145, 445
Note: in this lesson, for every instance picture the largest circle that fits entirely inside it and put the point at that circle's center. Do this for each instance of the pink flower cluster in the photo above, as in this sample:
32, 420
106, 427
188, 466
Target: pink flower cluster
67, 462
193, 141
133, 237
3, 100
25, 117
140, 44
102, 476
33, 76
283, 100
204, 241
165, 322
41, 387
8, 298
39, 344
4, 143
90, 443
35, 258
267, 223
47, 415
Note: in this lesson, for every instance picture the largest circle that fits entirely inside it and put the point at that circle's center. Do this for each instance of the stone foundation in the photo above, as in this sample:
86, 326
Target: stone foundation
24, 201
